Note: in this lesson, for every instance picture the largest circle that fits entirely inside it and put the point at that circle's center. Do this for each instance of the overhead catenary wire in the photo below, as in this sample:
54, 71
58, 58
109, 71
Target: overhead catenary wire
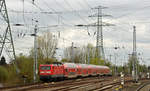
23, 9
89, 9
87, 3
53, 10
60, 5
82, 18
42, 10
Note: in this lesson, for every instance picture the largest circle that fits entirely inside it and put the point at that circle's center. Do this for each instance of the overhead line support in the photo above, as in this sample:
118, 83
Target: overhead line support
99, 24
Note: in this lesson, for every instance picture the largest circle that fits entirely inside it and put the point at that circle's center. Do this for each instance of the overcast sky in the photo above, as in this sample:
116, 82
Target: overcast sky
68, 13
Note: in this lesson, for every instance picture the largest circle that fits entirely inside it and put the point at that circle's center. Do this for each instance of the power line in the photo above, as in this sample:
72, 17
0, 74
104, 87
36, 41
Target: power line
81, 5
75, 11
87, 4
60, 5
23, 11
55, 11
86, 7
42, 11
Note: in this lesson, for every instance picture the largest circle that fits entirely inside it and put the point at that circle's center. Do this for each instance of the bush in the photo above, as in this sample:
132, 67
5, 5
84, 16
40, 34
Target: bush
3, 74
64, 60
25, 65
47, 61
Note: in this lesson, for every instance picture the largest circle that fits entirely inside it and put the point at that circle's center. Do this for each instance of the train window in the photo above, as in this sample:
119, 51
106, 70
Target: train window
45, 67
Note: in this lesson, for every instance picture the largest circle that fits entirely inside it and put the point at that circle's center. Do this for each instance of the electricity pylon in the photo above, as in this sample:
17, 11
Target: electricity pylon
99, 40
99, 24
6, 41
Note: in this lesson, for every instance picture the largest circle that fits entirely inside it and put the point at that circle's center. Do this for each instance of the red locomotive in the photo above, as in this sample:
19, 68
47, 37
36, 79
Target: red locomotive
70, 70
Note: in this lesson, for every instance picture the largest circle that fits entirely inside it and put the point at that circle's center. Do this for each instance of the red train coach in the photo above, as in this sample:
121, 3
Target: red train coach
83, 69
71, 70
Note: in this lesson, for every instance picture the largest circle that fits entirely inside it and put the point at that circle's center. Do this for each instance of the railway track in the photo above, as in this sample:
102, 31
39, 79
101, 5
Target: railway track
116, 86
53, 84
111, 85
80, 84
143, 86
94, 85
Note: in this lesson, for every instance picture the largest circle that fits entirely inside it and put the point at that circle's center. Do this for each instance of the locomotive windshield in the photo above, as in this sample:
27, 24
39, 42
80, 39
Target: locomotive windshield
45, 67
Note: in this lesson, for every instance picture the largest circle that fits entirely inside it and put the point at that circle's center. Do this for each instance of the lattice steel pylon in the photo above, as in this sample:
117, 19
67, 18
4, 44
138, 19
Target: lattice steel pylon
99, 24
99, 40
6, 41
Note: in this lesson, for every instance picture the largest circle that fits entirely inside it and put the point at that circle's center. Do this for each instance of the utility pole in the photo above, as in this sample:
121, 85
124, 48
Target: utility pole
115, 55
35, 64
129, 69
115, 69
134, 55
110, 57
72, 48
88, 55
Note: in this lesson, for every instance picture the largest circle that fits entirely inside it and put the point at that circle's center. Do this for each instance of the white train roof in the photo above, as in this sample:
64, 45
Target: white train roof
98, 66
83, 65
70, 65
73, 65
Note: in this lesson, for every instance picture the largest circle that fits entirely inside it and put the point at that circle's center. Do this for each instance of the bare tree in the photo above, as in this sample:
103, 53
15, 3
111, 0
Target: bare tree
79, 55
47, 45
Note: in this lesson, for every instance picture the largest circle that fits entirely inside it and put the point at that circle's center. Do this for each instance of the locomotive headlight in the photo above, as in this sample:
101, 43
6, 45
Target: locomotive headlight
48, 72
42, 72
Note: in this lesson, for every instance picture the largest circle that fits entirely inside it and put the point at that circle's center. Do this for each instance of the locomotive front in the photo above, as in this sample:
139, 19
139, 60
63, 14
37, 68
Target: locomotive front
45, 72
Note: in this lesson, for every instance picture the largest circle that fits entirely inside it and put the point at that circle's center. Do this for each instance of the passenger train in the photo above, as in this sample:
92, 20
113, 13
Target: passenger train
57, 70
